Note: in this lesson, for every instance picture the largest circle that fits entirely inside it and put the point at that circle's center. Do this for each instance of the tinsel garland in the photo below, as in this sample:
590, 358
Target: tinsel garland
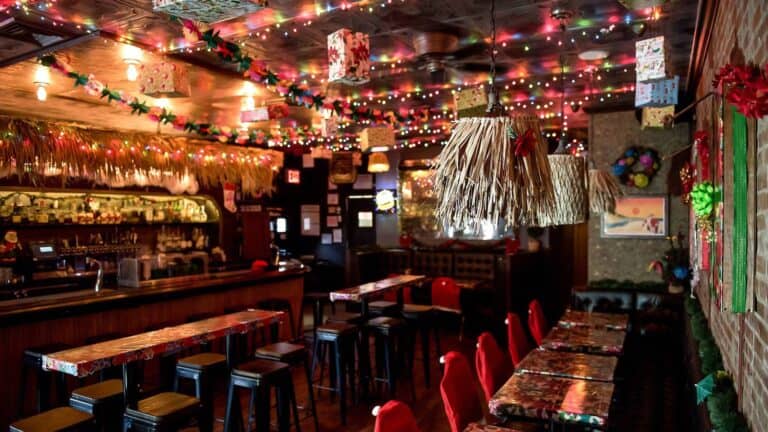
28, 148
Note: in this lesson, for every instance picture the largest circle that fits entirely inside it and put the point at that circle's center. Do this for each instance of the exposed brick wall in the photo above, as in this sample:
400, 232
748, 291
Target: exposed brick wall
610, 134
743, 339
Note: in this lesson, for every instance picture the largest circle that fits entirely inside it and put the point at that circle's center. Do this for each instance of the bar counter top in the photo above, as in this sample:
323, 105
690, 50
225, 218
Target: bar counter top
61, 304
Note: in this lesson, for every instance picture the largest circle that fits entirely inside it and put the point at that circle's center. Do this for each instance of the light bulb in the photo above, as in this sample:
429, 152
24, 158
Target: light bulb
132, 72
42, 93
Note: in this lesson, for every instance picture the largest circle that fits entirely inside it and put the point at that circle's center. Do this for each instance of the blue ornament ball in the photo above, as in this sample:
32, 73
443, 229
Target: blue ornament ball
680, 272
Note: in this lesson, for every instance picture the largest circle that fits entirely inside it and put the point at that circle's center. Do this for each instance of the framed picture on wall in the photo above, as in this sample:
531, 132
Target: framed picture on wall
637, 216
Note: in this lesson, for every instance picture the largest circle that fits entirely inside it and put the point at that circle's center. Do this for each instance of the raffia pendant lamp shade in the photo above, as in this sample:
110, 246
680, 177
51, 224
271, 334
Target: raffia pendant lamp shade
568, 180
378, 163
603, 191
479, 176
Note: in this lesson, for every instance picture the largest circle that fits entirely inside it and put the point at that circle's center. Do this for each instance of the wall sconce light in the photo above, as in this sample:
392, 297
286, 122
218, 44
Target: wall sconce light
132, 56
42, 80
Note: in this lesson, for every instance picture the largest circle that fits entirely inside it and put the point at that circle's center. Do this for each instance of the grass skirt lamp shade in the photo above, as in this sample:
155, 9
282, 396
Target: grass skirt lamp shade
603, 191
493, 168
569, 182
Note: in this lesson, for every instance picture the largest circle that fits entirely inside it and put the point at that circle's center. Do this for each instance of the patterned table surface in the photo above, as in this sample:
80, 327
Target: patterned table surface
86, 360
585, 339
370, 289
561, 399
609, 321
569, 365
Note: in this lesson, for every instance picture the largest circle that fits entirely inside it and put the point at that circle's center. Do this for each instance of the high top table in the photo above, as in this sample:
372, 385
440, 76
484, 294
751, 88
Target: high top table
125, 352
365, 292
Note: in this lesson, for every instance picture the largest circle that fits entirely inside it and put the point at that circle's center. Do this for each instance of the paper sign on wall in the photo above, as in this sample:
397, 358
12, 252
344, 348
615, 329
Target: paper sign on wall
337, 236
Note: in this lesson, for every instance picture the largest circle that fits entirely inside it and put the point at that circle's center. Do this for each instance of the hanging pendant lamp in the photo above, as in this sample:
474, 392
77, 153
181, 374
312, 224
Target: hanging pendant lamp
603, 191
378, 162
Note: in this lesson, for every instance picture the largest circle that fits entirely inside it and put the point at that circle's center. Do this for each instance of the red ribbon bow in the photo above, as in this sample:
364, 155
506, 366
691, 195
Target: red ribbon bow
525, 143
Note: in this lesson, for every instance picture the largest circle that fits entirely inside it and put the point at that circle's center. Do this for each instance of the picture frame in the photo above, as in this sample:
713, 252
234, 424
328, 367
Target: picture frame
637, 216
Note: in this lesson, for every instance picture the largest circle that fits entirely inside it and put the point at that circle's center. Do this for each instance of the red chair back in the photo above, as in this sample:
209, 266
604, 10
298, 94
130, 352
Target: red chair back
392, 295
395, 416
446, 293
460, 399
516, 339
536, 321
493, 366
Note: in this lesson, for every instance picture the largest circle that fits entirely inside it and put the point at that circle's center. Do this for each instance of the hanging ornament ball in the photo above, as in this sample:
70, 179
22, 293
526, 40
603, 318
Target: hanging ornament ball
639, 178
681, 273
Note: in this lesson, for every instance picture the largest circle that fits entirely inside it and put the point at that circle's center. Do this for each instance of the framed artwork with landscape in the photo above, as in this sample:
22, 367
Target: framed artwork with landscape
637, 216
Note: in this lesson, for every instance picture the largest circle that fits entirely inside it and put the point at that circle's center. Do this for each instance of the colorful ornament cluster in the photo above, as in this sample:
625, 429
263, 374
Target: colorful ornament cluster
223, 134
746, 87
649, 162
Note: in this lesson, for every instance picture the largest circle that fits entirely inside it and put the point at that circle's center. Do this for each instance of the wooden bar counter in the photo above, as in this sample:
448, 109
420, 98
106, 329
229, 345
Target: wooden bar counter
73, 317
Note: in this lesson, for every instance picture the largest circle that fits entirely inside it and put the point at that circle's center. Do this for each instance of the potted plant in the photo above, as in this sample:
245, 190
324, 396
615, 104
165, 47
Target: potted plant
674, 266
534, 235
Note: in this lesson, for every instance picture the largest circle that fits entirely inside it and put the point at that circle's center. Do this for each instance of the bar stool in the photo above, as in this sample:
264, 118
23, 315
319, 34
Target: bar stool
32, 361
383, 308
340, 338
241, 341
163, 412
318, 300
63, 419
104, 401
260, 376
200, 368
391, 339
293, 355
420, 318
283, 305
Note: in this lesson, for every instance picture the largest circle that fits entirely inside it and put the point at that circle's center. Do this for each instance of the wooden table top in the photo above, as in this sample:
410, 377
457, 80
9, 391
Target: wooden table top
86, 360
371, 289
569, 365
586, 340
608, 321
543, 397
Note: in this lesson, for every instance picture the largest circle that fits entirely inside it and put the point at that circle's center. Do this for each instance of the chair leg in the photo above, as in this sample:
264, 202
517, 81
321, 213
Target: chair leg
389, 362
263, 408
340, 382
283, 410
349, 346
311, 393
43, 389
229, 412
424, 331
22, 389
294, 405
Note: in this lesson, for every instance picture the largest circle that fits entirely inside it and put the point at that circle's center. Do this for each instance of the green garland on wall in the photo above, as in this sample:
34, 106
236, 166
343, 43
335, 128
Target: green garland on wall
722, 404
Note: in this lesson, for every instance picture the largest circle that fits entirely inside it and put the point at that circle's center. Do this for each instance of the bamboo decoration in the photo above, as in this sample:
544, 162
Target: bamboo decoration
603, 191
482, 176
36, 149
568, 180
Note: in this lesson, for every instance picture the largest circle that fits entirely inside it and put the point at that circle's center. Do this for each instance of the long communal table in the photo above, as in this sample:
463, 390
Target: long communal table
600, 320
585, 340
569, 365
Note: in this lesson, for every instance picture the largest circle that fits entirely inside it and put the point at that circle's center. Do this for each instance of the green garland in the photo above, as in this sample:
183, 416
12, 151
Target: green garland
627, 285
722, 404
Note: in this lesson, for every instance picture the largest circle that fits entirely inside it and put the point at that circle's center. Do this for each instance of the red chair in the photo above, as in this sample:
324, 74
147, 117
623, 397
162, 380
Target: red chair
516, 339
394, 416
537, 323
492, 365
460, 399
446, 297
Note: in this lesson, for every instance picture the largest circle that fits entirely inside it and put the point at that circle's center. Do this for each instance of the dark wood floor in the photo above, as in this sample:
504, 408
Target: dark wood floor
647, 398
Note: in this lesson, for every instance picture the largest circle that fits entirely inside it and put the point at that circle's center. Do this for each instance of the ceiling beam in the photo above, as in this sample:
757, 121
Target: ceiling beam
66, 43
705, 23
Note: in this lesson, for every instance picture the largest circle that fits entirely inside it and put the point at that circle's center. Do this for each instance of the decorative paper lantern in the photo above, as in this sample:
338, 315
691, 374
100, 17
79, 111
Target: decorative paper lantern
568, 177
656, 117
208, 11
377, 137
659, 93
652, 59
164, 80
348, 57
483, 175
342, 170
471, 102
378, 162
256, 114
603, 191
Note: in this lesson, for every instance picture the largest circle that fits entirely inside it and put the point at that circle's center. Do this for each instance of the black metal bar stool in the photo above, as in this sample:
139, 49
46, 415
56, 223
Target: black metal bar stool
164, 412
420, 319
341, 339
392, 338
104, 401
383, 308
63, 419
260, 376
32, 361
283, 305
201, 368
293, 355
318, 300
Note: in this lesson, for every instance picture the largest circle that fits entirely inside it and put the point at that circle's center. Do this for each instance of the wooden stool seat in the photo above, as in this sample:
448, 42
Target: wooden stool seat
383, 307
203, 361
415, 311
283, 352
260, 369
337, 328
345, 317
165, 409
64, 419
104, 391
103, 400
385, 323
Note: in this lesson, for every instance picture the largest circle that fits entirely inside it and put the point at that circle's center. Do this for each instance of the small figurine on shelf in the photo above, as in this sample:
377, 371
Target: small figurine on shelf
674, 266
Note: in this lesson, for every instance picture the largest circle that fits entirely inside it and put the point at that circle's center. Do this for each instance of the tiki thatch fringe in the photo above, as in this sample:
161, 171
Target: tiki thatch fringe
34, 149
479, 178
603, 191
568, 179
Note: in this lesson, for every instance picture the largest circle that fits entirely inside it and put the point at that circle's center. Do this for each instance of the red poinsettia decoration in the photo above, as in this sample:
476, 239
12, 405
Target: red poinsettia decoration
745, 86
525, 143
